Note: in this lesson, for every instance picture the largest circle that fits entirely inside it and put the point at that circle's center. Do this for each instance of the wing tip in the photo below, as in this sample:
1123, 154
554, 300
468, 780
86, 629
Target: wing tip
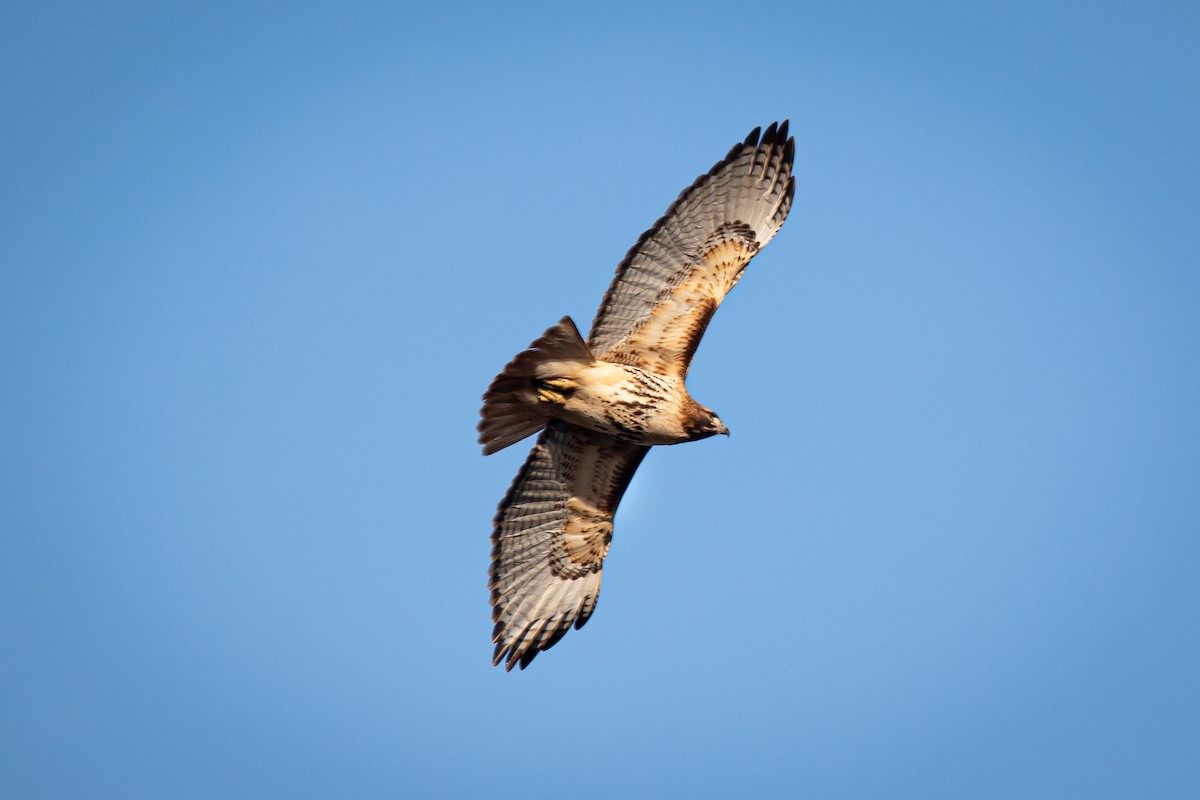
776, 131
768, 137
776, 135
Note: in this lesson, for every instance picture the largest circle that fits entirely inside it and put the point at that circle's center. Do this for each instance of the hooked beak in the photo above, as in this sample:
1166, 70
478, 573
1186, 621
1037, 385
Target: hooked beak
702, 424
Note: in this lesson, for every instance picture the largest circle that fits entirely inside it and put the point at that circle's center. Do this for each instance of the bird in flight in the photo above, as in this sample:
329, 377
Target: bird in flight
601, 403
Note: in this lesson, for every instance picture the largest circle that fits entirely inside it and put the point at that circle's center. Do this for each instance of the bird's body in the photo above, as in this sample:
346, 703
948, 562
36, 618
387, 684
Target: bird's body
601, 404
629, 403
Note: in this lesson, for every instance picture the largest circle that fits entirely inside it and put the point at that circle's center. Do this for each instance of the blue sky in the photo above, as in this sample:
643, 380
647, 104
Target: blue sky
261, 261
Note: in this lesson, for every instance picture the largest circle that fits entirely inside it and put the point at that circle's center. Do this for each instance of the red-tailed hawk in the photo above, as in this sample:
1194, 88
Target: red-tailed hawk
602, 403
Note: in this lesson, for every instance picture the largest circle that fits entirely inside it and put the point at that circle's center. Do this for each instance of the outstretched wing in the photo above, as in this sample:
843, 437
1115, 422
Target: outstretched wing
670, 283
551, 535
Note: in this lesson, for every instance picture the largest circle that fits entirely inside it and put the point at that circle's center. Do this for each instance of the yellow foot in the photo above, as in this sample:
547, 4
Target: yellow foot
555, 390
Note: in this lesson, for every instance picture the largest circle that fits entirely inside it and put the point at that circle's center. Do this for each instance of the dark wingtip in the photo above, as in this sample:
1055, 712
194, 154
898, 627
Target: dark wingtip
752, 139
503, 650
768, 136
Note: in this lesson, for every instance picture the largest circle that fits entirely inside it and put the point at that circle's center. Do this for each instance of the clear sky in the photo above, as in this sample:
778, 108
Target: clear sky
260, 262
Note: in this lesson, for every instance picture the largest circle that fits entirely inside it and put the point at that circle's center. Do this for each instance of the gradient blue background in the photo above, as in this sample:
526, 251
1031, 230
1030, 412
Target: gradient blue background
260, 261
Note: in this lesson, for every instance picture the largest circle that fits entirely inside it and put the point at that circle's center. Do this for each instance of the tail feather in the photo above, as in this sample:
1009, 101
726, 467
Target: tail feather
511, 410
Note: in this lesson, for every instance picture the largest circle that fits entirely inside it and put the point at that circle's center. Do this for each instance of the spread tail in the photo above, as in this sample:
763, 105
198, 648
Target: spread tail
512, 408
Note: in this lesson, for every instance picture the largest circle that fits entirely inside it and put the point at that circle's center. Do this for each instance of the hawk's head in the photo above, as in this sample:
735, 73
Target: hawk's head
700, 423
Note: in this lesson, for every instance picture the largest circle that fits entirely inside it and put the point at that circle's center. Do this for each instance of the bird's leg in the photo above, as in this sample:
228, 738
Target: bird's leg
555, 390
